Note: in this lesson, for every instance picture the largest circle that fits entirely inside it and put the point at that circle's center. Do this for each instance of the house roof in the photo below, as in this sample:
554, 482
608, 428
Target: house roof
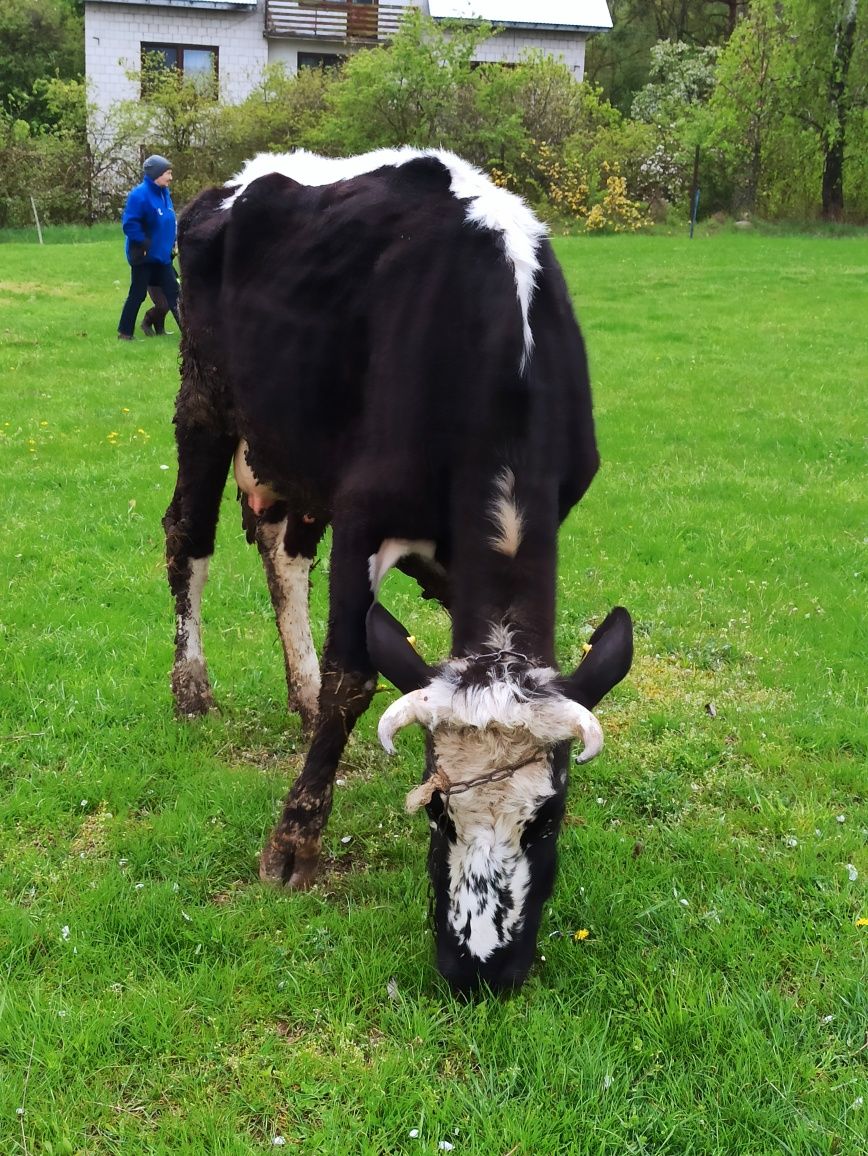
236, 5
584, 15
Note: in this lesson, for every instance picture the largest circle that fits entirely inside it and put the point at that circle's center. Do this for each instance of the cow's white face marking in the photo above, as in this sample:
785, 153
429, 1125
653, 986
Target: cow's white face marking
506, 515
489, 873
390, 554
488, 206
487, 713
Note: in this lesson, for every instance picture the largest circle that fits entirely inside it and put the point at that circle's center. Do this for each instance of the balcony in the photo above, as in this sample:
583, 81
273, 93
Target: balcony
350, 23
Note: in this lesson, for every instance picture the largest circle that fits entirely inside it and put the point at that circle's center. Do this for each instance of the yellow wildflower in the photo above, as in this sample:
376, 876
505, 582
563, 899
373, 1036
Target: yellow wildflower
581, 934
862, 922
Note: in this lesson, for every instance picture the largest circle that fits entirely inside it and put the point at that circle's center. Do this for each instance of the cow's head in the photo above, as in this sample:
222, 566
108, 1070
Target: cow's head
499, 729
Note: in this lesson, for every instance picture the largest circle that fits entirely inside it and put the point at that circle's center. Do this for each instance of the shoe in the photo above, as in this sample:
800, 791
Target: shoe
125, 337
147, 328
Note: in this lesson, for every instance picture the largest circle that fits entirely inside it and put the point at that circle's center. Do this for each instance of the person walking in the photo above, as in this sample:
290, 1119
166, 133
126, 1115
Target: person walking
149, 226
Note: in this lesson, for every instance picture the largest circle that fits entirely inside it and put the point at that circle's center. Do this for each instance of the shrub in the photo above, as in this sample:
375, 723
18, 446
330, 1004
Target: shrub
616, 212
283, 112
412, 92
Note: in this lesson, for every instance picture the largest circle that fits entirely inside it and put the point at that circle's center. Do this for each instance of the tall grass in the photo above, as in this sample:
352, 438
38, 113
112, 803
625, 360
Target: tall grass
154, 998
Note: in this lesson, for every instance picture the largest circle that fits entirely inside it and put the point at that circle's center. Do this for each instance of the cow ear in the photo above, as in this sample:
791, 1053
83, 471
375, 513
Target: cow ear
392, 652
605, 663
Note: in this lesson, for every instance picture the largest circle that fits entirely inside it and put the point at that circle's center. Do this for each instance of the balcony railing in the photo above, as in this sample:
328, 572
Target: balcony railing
356, 23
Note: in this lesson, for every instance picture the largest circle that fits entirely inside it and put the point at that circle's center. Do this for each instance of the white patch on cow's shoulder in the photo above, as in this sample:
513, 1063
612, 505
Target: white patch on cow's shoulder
391, 552
488, 206
506, 515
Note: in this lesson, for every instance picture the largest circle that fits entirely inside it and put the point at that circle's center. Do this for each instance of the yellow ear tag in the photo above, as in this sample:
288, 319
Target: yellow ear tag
586, 648
411, 638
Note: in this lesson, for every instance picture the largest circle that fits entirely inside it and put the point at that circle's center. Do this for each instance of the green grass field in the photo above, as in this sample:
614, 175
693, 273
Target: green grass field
154, 998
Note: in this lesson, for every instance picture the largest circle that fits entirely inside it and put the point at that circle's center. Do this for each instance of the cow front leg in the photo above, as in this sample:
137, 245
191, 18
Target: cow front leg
291, 855
190, 523
287, 547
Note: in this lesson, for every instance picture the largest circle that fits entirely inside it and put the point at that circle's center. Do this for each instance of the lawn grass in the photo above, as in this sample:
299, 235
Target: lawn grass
155, 999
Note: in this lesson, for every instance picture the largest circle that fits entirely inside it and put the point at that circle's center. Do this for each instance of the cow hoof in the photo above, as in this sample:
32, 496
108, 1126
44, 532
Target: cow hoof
191, 689
285, 867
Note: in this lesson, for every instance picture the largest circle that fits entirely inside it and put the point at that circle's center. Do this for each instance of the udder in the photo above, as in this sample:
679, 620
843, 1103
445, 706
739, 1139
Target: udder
259, 496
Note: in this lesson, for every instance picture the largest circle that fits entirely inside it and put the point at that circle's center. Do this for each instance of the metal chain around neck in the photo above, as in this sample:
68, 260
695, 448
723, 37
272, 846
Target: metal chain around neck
439, 781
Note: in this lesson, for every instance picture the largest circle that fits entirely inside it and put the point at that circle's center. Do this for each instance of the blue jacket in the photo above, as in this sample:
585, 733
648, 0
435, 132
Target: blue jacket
149, 220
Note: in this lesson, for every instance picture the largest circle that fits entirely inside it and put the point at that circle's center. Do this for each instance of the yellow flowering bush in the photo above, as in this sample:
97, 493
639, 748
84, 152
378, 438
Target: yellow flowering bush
564, 183
616, 212
545, 174
551, 176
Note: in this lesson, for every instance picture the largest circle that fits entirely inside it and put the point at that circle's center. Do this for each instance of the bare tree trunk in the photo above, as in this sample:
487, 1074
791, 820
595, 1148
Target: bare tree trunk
834, 135
731, 16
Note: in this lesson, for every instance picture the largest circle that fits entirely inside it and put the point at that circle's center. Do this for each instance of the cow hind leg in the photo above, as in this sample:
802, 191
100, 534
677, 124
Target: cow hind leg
291, 855
190, 523
287, 545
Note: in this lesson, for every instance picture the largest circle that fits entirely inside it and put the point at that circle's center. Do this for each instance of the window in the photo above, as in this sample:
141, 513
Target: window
319, 60
192, 61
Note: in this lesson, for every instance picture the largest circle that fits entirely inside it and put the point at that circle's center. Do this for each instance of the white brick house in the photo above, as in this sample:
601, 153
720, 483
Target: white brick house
239, 37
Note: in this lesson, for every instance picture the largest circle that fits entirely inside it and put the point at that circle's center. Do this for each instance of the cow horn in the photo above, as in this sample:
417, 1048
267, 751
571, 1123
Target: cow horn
586, 727
607, 660
410, 708
392, 651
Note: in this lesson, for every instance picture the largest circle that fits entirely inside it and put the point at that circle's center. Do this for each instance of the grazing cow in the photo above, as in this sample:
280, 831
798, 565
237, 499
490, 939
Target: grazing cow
386, 344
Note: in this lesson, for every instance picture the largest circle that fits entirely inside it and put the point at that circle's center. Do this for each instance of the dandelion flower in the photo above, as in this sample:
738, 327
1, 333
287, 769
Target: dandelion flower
862, 922
581, 934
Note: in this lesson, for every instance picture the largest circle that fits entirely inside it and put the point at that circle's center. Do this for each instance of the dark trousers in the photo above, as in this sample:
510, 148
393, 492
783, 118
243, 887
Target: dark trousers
162, 277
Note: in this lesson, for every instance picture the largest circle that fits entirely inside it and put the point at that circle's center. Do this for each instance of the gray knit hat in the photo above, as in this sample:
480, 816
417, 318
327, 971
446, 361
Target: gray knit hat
155, 166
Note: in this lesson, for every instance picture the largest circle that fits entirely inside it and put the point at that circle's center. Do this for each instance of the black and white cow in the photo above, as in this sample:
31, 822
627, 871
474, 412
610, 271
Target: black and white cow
385, 344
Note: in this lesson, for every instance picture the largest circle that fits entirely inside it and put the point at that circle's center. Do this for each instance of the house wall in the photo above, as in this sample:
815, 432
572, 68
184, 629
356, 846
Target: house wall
114, 33
508, 46
285, 51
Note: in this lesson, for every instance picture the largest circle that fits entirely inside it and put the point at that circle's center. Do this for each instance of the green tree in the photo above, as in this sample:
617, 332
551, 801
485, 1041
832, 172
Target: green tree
39, 39
283, 112
826, 83
177, 116
673, 103
789, 107
620, 61
747, 105
681, 76
51, 163
412, 92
